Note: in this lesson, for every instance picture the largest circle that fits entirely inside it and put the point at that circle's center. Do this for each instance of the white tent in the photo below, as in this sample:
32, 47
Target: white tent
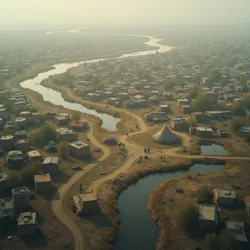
165, 136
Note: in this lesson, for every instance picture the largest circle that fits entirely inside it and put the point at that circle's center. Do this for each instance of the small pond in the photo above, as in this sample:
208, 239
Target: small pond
137, 230
213, 149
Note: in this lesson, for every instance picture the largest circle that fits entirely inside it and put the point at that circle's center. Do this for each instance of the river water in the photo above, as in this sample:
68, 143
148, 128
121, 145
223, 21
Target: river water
108, 122
137, 230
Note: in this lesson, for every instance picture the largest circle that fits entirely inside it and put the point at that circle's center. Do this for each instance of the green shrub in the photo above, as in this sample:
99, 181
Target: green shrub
204, 194
224, 241
42, 136
187, 217
63, 149
25, 176
14, 180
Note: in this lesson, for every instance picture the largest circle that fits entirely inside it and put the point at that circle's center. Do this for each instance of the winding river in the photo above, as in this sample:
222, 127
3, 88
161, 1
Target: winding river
108, 122
137, 230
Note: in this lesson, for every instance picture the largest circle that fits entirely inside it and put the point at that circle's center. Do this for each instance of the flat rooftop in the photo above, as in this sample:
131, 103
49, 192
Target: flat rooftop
42, 178
21, 190
51, 160
27, 218
78, 144
208, 212
225, 193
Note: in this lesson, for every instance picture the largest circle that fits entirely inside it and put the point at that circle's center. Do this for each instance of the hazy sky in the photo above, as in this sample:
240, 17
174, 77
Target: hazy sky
95, 12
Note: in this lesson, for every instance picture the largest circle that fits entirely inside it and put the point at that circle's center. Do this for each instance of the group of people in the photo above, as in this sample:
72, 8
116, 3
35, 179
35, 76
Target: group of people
146, 150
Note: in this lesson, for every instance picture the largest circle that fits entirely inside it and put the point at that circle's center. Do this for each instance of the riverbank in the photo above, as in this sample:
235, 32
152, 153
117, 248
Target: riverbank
164, 203
109, 192
127, 121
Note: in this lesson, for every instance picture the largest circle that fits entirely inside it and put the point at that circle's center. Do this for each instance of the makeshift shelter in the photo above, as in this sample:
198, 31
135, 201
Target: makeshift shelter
165, 136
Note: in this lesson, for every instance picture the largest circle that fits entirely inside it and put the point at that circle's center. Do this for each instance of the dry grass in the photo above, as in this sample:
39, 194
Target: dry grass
164, 210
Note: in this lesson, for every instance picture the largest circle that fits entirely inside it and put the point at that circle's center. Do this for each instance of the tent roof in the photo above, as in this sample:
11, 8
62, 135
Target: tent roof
165, 136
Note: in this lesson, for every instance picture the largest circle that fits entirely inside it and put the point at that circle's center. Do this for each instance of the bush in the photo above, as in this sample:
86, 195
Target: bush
63, 149
76, 115
236, 124
25, 176
192, 122
223, 241
204, 194
187, 217
203, 103
27, 173
14, 180
44, 135
211, 242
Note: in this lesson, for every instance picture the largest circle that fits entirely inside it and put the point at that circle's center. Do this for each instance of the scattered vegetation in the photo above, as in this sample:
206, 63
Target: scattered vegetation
236, 124
192, 122
173, 82
203, 103
223, 241
187, 217
76, 115
63, 149
25, 176
42, 136
204, 194
194, 91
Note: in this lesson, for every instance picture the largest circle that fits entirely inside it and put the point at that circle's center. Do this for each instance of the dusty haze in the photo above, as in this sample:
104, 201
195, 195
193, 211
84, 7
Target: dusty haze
14, 13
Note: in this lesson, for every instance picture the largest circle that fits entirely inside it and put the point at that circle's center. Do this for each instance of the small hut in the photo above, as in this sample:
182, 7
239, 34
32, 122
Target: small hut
165, 136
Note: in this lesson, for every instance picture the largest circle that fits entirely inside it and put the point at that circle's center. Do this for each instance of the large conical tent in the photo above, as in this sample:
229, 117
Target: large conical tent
165, 136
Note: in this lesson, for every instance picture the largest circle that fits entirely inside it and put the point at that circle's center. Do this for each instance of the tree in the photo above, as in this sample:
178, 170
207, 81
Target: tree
227, 241
204, 194
245, 88
224, 241
27, 173
211, 242
14, 180
192, 122
194, 91
76, 115
8, 106
238, 109
243, 79
173, 82
187, 217
63, 149
196, 79
43, 135
49, 133
203, 103
236, 124
214, 75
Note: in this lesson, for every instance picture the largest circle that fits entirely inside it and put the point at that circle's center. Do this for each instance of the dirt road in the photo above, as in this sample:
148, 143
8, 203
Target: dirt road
134, 152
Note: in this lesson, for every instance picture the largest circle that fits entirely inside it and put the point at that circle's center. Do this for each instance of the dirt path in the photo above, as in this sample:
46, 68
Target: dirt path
134, 152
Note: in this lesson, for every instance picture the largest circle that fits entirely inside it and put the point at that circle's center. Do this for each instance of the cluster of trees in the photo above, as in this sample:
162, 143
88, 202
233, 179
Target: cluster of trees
63, 149
224, 241
187, 217
169, 85
203, 103
239, 108
76, 116
204, 194
43, 135
194, 91
25, 176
